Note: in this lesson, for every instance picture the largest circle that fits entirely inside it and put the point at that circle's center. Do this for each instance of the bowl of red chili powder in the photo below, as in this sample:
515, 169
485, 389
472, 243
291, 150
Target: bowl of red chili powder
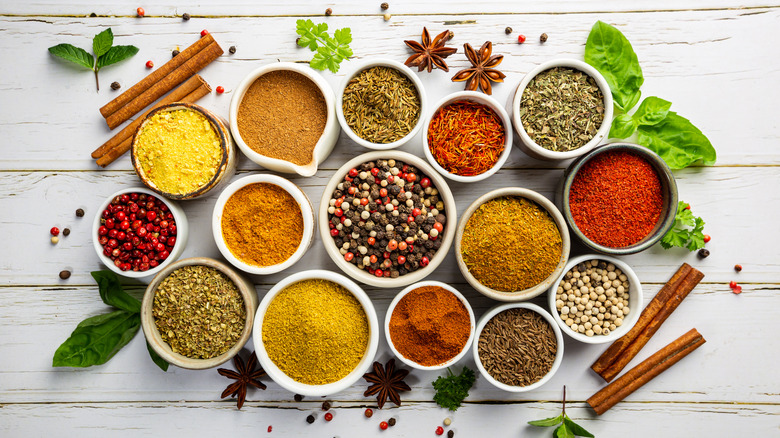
619, 199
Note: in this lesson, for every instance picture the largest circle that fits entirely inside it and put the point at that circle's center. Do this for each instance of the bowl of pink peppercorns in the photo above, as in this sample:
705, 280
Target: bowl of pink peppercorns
136, 233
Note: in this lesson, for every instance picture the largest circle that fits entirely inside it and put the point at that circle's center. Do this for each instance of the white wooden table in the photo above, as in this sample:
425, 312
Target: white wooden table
719, 65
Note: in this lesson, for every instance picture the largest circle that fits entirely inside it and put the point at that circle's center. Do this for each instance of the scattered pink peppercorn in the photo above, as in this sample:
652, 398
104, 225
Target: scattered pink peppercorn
204, 32
520, 39
140, 12
707, 238
439, 430
54, 231
738, 268
270, 428
220, 89
328, 416
149, 64
383, 425
369, 412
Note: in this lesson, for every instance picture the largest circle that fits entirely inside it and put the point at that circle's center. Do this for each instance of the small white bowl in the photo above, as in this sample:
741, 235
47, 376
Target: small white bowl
307, 212
558, 338
532, 148
416, 286
483, 99
283, 379
634, 301
182, 232
324, 145
380, 62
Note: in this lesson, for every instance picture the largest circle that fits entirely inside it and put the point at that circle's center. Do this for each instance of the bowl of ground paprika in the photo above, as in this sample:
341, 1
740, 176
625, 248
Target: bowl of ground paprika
429, 325
619, 199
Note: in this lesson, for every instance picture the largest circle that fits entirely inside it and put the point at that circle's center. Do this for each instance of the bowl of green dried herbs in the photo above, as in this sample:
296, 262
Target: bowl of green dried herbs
561, 109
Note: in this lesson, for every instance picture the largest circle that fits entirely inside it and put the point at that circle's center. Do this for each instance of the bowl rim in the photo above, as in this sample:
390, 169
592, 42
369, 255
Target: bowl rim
635, 300
345, 382
181, 225
238, 97
403, 293
363, 276
664, 175
380, 62
248, 294
224, 144
495, 310
542, 202
601, 134
483, 99
307, 213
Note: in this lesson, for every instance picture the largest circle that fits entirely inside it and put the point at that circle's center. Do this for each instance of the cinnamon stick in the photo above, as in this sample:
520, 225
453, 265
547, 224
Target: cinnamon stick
122, 142
161, 85
659, 362
622, 351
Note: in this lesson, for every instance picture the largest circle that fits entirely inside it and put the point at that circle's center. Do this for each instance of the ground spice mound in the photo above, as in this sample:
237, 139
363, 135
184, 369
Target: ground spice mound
283, 115
616, 199
510, 244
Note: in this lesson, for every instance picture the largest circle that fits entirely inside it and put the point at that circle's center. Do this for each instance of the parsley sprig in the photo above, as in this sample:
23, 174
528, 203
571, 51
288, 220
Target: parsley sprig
330, 50
687, 231
566, 427
452, 389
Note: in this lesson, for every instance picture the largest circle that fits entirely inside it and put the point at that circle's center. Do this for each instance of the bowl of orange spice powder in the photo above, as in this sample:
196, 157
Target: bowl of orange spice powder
262, 224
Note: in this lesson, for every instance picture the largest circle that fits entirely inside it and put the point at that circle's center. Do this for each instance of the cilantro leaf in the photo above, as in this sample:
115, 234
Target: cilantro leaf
452, 389
687, 231
330, 50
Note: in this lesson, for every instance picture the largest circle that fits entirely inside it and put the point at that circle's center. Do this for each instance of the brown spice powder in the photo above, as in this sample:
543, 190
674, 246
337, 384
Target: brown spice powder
283, 115
262, 224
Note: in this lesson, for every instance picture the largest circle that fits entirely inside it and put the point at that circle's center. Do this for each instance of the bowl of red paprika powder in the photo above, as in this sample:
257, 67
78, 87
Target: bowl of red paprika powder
619, 199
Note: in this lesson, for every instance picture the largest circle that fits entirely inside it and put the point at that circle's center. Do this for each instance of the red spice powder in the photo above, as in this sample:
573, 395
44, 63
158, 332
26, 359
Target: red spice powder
616, 199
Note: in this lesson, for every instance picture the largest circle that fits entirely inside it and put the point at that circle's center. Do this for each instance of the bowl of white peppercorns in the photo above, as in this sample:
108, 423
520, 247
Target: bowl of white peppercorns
597, 300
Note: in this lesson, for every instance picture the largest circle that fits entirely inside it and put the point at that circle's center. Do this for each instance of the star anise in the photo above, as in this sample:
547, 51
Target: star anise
482, 72
386, 383
430, 54
244, 375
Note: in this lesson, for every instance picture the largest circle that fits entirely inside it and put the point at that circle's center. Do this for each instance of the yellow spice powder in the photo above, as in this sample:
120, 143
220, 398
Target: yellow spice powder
315, 331
178, 150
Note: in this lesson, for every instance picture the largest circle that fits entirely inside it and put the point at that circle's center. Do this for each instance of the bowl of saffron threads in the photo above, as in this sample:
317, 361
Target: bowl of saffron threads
468, 137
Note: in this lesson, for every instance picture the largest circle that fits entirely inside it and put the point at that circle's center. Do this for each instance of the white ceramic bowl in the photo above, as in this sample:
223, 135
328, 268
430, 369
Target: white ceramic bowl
327, 140
287, 382
558, 338
307, 212
402, 294
635, 302
531, 292
532, 148
182, 232
483, 99
380, 62
361, 275
248, 293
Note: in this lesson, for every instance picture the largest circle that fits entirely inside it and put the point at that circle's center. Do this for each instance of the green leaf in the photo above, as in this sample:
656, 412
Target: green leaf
575, 428
102, 42
157, 359
116, 54
652, 111
677, 141
343, 36
96, 340
563, 431
608, 50
623, 126
452, 389
111, 292
547, 422
697, 236
680, 235
330, 51
73, 54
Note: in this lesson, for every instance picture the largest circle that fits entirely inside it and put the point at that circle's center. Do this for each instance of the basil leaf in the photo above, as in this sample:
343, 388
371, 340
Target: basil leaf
73, 54
157, 359
102, 42
623, 126
652, 111
575, 428
111, 292
608, 50
116, 54
96, 340
547, 422
677, 141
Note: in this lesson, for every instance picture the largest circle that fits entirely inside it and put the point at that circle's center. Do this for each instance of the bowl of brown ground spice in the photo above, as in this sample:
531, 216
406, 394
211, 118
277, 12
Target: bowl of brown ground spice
283, 117
262, 223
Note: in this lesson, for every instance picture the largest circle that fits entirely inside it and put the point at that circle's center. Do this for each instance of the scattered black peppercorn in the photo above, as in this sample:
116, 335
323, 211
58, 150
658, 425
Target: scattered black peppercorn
328, 12
450, 35
543, 38
297, 40
66, 232
80, 212
325, 405
93, 15
298, 397
115, 85
185, 17
310, 419
174, 53
232, 49
508, 30
384, 6
450, 434
65, 274
391, 421
704, 253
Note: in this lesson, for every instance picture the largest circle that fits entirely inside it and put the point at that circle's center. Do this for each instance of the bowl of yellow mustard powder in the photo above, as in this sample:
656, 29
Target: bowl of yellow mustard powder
183, 151
316, 333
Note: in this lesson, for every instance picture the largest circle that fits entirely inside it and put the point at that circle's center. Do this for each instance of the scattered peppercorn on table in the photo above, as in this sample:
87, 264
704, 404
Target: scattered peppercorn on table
719, 65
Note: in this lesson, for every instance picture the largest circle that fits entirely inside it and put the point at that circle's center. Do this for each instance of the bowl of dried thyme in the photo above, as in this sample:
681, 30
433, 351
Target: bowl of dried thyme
561, 110
197, 313
381, 104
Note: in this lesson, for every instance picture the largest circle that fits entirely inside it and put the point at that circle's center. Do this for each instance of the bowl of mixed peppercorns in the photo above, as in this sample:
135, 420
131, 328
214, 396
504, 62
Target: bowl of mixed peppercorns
385, 218
136, 234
